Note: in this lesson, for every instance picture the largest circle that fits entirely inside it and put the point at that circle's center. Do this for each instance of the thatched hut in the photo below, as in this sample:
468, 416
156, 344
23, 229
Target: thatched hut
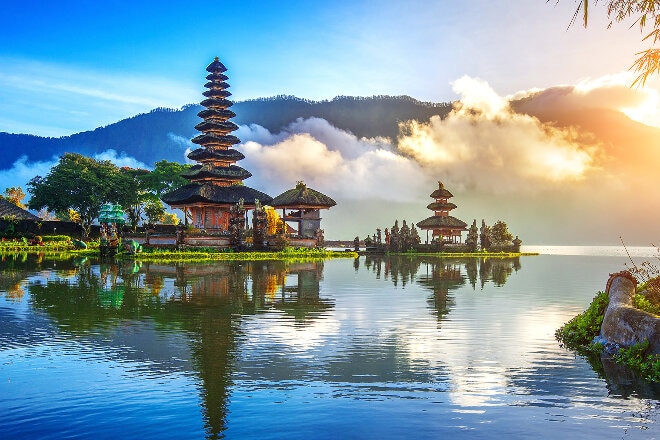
306, 204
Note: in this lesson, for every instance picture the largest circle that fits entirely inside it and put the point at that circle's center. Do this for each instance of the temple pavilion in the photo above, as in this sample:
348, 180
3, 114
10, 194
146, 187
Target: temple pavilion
306, 204
215, 182
446, 228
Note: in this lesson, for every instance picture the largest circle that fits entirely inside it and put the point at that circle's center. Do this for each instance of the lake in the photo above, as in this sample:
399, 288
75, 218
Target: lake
376, 347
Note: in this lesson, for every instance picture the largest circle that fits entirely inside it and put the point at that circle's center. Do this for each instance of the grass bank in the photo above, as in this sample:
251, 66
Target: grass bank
62, 243
578, 335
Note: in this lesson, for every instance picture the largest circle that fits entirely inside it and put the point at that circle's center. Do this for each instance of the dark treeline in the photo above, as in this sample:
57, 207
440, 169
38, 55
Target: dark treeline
164, 133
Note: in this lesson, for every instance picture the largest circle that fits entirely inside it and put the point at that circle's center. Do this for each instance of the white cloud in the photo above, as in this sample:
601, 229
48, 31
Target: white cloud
185, 143
22, 171
121, 160
332, 161
484, 144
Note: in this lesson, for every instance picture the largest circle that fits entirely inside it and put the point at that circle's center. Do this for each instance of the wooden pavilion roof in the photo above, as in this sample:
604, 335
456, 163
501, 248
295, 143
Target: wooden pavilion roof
302, 197
440, 222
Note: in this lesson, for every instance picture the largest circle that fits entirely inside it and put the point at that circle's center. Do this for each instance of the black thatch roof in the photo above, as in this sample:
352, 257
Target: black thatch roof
8, 209
439, 221
441, 192
302, 197
217, 103
439, 206
217, 76
217, 84
216, 93
211, 125
202, 154
218, 113
222, 195
232, 172
210, 138
216, 66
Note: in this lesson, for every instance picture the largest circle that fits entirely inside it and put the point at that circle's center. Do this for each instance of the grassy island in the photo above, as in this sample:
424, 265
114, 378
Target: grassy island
475, 254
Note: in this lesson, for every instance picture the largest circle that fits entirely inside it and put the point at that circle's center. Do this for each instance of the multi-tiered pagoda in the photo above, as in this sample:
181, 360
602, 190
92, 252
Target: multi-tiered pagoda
446, 229
215, 182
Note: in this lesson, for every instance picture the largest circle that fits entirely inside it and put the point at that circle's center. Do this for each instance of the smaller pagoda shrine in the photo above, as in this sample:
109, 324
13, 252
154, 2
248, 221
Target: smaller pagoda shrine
111, 219
446, 229
216, 183
306, 204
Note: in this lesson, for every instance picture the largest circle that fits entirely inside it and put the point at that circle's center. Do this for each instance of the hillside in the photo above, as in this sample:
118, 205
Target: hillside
163, 133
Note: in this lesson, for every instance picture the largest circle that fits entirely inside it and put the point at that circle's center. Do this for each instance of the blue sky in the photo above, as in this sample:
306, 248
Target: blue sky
75, 65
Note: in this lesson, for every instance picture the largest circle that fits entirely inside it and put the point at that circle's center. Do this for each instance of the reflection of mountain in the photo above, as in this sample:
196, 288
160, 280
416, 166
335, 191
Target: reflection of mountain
197, 305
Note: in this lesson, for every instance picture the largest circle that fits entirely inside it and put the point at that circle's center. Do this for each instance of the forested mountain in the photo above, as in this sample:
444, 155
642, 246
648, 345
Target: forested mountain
161, 133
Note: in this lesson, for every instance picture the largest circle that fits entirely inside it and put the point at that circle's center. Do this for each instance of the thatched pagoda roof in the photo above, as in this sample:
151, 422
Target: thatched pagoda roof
209, 193
439, 221
217, 76
441, 192
217, 84
210, 138
232, 172
219, 113
202, 154
8, 209
439, 206
211, 125
216, 66
302, 197
216, 93
217, 103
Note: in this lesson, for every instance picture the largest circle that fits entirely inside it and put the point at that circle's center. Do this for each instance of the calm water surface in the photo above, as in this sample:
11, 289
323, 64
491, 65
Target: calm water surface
366, 348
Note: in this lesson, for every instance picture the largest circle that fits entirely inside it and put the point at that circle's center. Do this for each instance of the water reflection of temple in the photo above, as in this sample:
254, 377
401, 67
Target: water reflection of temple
441, 275
204, 303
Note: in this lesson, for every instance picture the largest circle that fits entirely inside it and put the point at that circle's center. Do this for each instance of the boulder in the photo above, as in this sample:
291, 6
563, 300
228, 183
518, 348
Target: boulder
624, 325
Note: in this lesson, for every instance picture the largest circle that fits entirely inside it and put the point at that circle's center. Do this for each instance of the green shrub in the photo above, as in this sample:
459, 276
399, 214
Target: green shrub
634, 357
51, 238
578, 333
641, 302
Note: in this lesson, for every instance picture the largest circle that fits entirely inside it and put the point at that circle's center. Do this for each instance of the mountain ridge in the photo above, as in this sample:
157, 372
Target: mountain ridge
158, 134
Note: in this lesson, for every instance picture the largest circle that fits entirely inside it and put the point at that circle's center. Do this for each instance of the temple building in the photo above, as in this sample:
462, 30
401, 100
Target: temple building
216, 183
306, 204
9, 210
446, 229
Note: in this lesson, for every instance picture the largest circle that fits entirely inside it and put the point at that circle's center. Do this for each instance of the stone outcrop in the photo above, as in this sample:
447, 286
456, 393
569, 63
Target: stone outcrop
624, 325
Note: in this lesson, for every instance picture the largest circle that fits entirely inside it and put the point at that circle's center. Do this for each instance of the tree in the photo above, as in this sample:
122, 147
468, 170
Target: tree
472, 239
275, 223
395, 239
165, 177
404, 237
645, 13
14, 195
484, 236
500, 234
414, 236
154, 210
138, 194
169, 218
82, 184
